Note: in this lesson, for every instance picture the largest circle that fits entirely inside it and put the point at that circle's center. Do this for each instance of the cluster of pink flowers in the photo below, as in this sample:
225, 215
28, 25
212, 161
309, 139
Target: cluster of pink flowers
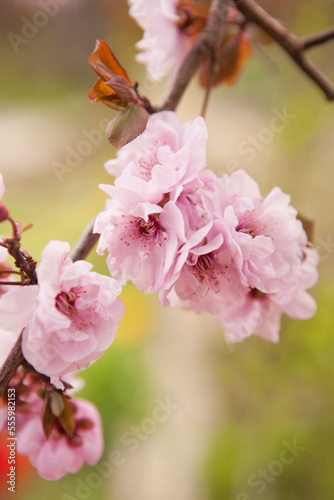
181, 22
66, 447
68, 319
207, 243
204, 243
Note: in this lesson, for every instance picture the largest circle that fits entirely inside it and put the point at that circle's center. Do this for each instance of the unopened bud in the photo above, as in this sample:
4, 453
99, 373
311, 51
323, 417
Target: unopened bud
3, 212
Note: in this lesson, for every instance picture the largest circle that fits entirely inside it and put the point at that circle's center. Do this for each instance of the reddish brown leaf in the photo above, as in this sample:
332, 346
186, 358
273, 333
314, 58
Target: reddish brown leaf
104, 62
123, 89
233, 55
66, 419
48, 419
127, 125
101, 92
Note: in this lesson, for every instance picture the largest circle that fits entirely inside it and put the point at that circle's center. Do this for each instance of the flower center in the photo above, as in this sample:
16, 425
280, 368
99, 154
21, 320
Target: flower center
146, 163
148, 228
256, 294
65, 301
208, 269
138, 230
255, 223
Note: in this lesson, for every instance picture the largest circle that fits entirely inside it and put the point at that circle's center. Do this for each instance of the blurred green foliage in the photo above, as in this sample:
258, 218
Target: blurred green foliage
277, 394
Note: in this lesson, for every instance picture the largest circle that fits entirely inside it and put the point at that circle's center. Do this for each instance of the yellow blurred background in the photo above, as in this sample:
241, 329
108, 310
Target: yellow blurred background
192, 418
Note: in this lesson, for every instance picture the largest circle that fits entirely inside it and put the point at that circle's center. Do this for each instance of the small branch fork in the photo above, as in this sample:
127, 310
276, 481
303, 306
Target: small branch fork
292, 44
206, 45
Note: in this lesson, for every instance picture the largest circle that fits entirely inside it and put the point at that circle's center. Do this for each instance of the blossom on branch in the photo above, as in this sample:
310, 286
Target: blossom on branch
70, 318
165, 159
181, 22
144, 223
249, 265
204, 243
160, 53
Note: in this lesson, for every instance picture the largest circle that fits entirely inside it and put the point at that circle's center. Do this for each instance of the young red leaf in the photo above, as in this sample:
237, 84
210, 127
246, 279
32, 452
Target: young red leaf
48, 419
123, 89
114, 87
105, 63
231, 58
66, 419
127, 125
101, 92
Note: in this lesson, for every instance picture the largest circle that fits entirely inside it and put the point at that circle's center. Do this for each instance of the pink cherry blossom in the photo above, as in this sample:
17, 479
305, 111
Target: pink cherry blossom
3, 209
160, 53
2, 187
141, 243
147, 214
261, 313
70, 318
60, 454
8, 337
166, 158
206, 273
269, 236
249, 263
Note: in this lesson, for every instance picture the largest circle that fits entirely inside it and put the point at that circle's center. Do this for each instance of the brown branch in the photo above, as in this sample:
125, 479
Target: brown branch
317, 38
205, 45
291, 43
208, 87
14, 360
85, 243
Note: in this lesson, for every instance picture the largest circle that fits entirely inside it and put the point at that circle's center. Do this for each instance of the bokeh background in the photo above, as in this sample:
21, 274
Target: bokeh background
226, 413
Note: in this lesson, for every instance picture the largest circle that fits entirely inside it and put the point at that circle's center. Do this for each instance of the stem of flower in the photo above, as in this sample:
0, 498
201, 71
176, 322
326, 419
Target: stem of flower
85, 243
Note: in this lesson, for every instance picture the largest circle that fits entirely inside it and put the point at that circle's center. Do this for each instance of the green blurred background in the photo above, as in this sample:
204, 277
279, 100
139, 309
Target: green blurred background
233, 410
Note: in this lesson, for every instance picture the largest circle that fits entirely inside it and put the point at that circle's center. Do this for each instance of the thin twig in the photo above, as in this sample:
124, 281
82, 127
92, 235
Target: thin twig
208, 86
291, 43
85, 243
318, 38
205, 46
9, 367
14, 283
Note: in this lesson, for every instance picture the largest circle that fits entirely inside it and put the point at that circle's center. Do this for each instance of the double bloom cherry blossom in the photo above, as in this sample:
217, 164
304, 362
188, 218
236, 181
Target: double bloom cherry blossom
69, 319
204, 243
